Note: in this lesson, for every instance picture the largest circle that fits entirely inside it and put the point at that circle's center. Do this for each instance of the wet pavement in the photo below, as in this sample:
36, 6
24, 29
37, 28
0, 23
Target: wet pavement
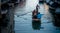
23, 19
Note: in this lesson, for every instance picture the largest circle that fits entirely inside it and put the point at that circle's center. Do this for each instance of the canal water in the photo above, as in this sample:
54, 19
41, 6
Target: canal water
23, 18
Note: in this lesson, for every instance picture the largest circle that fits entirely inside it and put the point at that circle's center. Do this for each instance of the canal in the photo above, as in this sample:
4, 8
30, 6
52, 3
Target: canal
23, 18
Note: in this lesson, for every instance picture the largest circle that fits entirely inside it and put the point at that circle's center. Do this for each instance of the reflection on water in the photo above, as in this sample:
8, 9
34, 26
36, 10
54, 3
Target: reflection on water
36, 25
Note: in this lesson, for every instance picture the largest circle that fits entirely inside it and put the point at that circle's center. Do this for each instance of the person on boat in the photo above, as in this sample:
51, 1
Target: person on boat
34, 14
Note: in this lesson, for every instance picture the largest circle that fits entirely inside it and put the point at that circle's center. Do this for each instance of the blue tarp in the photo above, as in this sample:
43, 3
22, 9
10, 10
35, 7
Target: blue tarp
39, 16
